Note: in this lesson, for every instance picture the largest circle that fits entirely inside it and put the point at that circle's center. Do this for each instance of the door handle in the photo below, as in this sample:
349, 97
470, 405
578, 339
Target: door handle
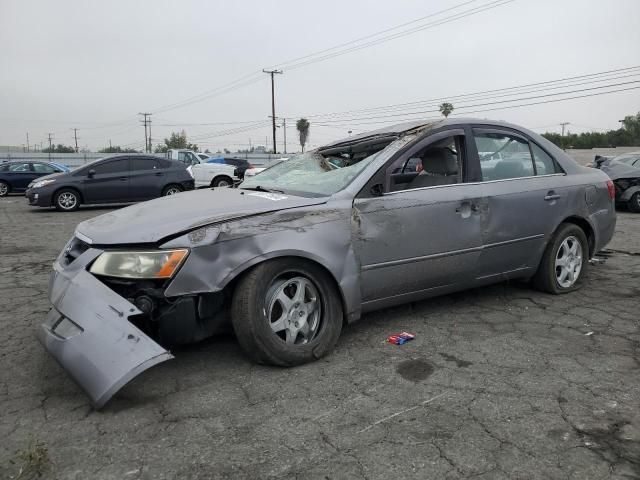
550, 196
124, 179
159, 174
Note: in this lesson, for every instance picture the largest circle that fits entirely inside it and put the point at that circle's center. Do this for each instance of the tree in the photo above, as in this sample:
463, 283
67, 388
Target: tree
176, 140
59, 149
302, 126
446, 108
118, 149
627, 136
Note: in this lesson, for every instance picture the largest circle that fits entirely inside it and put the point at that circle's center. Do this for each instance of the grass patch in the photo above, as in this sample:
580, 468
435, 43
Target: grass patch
32, 461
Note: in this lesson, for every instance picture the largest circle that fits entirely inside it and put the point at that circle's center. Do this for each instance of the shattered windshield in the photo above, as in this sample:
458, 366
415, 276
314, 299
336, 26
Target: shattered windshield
317, 173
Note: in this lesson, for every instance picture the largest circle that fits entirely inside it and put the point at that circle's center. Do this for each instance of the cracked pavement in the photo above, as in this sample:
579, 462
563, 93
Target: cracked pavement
501, 382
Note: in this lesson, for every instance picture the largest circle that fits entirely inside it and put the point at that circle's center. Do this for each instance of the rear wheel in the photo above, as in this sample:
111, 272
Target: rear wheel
171, 190
565, 261
286, 312
67, 200
4, 189
222, 182
633, 204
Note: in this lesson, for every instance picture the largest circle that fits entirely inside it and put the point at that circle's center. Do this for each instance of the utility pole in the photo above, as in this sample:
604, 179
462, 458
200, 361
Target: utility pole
27, 141
273, 105
110, 148
284, 130
146, 138
563, 124
149, 122
49, 145
75, 137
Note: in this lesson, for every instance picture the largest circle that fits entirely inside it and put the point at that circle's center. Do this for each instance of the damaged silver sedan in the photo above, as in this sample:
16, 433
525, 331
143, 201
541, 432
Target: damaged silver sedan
383, 218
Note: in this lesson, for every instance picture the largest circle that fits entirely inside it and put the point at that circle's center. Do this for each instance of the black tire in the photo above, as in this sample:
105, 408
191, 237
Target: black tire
546, 278
250, 318
63, 202
5, 189
171, 189
222, 181
634, 203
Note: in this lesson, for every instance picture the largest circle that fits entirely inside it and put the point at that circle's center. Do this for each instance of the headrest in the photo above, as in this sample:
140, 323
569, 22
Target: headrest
439, 161
508, 169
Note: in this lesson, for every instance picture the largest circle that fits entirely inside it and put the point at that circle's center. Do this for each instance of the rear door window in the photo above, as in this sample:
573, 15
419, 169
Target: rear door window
120, 165
138, 164
19, 167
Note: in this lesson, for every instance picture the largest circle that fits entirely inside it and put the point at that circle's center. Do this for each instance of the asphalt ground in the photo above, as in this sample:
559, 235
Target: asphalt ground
501, 382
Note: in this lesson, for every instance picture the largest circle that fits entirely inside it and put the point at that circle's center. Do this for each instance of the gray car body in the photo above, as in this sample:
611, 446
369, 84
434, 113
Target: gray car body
381, 250
623, 171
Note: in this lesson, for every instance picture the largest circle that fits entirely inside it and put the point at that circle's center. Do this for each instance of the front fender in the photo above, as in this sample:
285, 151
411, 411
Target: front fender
319, 233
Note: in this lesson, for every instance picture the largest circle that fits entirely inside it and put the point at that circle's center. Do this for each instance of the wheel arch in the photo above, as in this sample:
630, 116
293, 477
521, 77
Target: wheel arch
231, 280
219, 176
65, 187
586, 227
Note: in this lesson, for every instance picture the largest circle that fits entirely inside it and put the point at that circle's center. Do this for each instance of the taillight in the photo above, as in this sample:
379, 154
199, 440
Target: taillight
612, 189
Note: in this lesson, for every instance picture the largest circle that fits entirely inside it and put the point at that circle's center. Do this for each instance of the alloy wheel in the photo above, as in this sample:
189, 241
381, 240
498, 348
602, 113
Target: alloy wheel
568, 262
4, 189
294, 310
67, 200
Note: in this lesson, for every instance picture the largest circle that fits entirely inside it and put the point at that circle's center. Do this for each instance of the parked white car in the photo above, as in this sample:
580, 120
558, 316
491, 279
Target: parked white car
213, 175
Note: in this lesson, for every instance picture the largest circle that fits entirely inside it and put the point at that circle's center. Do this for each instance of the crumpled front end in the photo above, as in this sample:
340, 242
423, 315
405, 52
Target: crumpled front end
88, 329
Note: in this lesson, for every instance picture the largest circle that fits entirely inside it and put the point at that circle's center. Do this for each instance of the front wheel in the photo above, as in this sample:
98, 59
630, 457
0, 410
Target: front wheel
633, 204
67, 200
565, 261
286, 312
222, 182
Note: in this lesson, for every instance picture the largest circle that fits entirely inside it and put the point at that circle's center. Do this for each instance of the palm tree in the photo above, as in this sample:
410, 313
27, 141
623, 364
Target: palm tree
303, 130
446, 108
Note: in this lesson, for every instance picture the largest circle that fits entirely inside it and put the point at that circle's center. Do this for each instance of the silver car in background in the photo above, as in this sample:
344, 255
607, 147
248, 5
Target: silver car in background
379, 219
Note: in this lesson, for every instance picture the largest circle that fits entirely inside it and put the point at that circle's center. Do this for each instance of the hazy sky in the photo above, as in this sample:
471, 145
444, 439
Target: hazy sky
94, 65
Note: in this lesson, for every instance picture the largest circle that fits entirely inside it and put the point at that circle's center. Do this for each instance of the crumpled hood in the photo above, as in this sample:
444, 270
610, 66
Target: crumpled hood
617, 170
155, 220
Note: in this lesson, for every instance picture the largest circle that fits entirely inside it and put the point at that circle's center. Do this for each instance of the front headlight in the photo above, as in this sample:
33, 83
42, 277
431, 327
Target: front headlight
155, 264
42, 183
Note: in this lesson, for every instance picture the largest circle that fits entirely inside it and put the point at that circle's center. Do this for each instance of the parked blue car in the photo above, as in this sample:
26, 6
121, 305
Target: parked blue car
16, 175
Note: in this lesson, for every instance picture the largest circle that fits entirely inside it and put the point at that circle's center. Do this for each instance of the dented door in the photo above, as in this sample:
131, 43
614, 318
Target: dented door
417, 240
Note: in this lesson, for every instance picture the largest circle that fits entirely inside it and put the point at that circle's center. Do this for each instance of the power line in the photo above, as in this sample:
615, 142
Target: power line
569, 80
254, 77
329, 120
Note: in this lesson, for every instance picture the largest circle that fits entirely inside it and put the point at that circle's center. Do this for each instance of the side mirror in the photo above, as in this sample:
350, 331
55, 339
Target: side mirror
377, 190
91, 173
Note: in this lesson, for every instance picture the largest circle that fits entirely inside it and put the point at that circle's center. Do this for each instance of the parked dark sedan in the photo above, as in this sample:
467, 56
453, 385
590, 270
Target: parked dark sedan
119, 179
17, 175
314, 242
240, 163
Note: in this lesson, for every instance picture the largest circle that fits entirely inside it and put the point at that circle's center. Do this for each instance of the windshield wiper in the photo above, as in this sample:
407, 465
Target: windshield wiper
258, 188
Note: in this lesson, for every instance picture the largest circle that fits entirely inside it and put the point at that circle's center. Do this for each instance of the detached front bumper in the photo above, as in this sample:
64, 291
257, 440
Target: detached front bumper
88, 332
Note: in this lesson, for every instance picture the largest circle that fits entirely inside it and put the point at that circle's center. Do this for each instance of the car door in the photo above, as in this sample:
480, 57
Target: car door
417, 237
525, 198
147, 178
20, 174
108, 181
